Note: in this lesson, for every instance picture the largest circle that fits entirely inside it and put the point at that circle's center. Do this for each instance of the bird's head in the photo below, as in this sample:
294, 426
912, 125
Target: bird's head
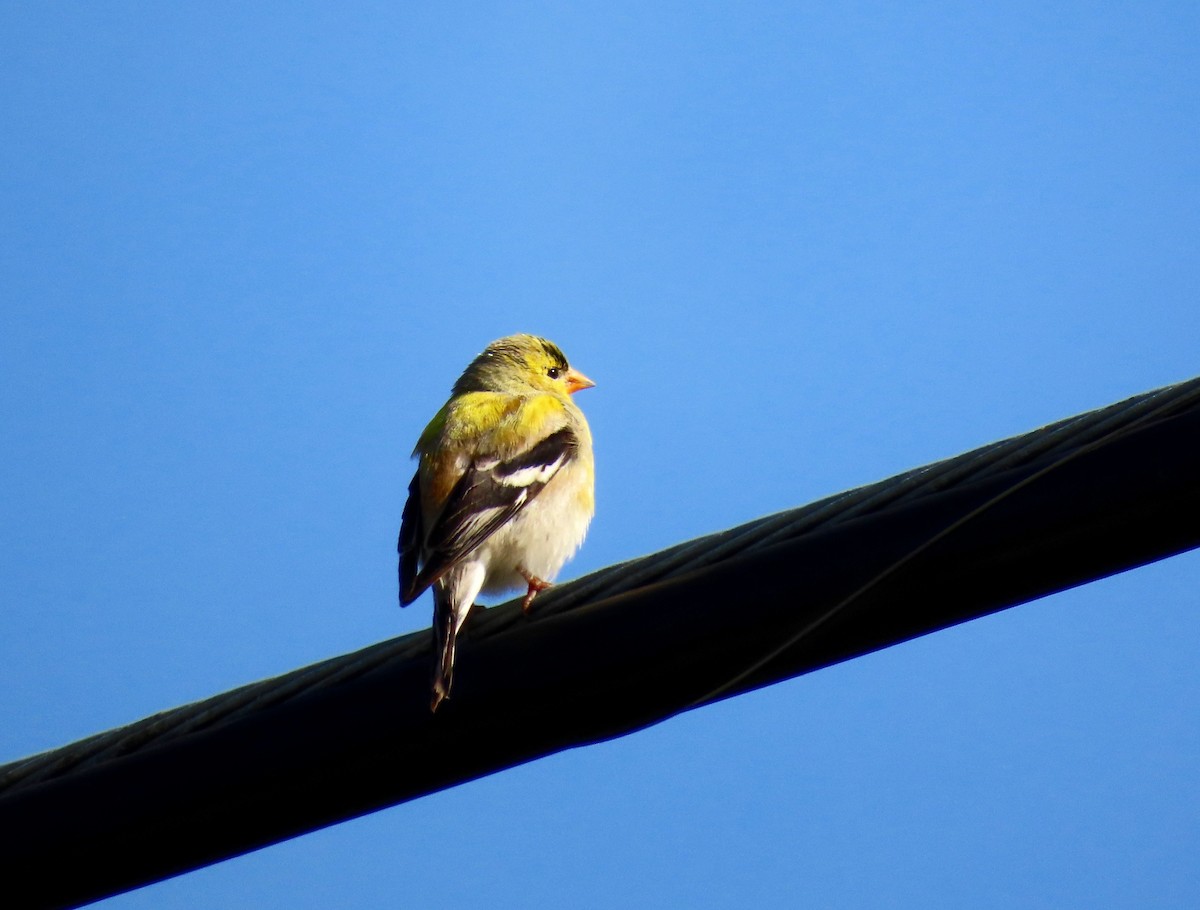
522, 364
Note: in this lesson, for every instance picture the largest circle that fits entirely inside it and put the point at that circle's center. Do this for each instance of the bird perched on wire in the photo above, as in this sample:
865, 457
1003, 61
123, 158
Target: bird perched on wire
503, 493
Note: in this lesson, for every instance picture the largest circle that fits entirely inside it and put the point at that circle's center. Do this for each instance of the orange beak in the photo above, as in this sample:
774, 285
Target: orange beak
577, 381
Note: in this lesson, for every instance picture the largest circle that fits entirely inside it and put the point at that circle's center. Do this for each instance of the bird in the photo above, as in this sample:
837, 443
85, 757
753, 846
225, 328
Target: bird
504, 488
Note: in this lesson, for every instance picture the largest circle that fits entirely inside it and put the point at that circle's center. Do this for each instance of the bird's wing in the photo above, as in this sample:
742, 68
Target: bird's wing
412, 532
490, 492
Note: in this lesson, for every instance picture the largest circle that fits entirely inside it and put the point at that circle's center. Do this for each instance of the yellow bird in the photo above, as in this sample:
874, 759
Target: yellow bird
504, 490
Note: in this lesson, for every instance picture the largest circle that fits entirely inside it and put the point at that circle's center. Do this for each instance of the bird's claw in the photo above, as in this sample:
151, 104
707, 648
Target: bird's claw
536, 586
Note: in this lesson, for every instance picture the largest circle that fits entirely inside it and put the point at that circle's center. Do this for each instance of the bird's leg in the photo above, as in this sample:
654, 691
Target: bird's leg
536, 585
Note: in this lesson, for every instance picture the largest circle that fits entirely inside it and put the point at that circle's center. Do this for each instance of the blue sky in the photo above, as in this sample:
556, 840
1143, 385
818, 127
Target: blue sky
245, 250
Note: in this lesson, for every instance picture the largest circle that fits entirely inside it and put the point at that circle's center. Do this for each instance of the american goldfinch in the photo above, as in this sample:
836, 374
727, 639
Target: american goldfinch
503, 492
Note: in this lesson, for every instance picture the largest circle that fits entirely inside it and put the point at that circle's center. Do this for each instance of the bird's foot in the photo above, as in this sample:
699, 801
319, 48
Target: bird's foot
536, 586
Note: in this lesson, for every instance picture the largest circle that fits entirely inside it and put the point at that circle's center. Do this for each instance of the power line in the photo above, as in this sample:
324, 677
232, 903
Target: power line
610, 653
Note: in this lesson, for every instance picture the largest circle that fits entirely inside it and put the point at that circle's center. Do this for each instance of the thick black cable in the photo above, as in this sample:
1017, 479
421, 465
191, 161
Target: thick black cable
613, 652
1110, 434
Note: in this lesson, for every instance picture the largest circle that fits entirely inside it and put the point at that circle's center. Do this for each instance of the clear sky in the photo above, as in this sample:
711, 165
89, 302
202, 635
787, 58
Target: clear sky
246, 248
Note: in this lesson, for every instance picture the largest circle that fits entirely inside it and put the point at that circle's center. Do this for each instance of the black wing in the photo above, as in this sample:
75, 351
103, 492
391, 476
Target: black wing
488, 494
412, 532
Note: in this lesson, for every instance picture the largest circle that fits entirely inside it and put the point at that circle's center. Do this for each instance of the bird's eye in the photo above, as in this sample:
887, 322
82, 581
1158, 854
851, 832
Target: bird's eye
554, 372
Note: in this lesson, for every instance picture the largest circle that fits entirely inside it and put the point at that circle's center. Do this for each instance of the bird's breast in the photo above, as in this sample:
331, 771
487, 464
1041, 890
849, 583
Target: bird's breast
544, 534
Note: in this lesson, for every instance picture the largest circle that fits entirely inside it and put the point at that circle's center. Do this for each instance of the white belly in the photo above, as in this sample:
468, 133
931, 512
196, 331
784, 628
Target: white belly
543, 536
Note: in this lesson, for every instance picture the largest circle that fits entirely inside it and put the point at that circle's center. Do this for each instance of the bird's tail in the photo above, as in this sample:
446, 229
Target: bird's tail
444, 633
